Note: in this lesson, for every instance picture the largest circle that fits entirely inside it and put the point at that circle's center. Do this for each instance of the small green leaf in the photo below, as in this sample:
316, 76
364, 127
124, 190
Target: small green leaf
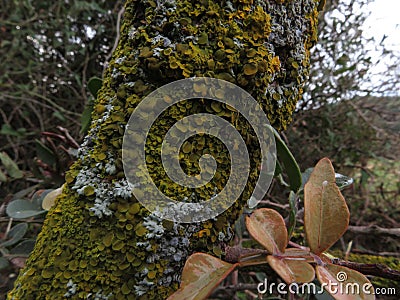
289, 163
343, 181
44, 153
292, 213
15, 234
4, 263
21, 209
86, 118
278, 169
59, 116
94, 85
201, 274
305, 176
38, 196
8, 130
22, 193
24, 248
3, 177
10, 166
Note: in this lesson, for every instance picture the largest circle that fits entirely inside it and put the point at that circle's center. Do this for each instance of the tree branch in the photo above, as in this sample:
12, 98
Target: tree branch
373, 229
379, 270
236, 254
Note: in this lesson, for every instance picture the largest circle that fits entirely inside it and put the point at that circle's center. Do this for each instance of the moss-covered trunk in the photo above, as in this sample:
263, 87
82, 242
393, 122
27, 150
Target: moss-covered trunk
98, 242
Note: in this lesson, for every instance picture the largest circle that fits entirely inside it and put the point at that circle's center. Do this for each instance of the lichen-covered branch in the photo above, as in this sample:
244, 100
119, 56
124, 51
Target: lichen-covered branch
98, 242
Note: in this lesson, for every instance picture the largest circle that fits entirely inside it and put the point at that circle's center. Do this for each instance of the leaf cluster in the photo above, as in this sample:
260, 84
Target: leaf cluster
326, 218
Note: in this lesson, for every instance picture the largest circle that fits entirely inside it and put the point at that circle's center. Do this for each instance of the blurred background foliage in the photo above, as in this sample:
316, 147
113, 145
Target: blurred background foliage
51, 49
351, 114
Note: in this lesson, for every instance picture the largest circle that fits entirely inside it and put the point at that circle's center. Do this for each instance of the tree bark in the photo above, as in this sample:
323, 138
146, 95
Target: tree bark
98, 242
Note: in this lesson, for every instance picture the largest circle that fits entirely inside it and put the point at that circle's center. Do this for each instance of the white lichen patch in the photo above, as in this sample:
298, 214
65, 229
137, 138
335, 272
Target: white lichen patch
103, 191
98, 296
154, 226
173, 248
122, 189
71, 289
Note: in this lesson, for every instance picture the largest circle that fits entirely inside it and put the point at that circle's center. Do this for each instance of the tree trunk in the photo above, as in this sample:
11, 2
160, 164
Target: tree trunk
98, 241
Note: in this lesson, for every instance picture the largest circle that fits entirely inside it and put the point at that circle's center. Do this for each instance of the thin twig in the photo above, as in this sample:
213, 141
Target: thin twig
379, 270
108, 57
373, 229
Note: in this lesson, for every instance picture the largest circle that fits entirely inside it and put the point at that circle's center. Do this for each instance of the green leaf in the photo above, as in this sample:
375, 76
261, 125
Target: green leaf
15, 234
305, 176
3, 177
24, 192
343, 181
94, 85
4, 263
335, 276
86, 118
278, 169
201, 274
39, 195
292, 214
24, 248
84, 5
44, 153
326, 215
21, 209
59, 116
10, 166
268, 228
289, 163
8, 130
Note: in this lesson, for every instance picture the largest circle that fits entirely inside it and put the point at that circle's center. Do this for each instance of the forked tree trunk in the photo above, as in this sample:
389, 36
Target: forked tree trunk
98, 241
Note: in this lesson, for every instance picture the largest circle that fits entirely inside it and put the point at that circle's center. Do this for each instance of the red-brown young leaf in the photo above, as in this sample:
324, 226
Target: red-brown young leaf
201, 274
268, 228
326, 215
291, 270
344, 283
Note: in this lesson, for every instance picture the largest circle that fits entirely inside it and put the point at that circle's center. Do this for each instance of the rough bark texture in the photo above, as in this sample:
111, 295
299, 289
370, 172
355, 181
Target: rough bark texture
98, 242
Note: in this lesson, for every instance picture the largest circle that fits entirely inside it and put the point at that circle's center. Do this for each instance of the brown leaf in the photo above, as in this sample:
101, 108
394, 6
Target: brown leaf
326, 215
268, 228
344, 283
291, 270
201, 274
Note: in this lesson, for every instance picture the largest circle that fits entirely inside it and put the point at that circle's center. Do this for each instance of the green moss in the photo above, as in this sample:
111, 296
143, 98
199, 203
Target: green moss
98, 240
